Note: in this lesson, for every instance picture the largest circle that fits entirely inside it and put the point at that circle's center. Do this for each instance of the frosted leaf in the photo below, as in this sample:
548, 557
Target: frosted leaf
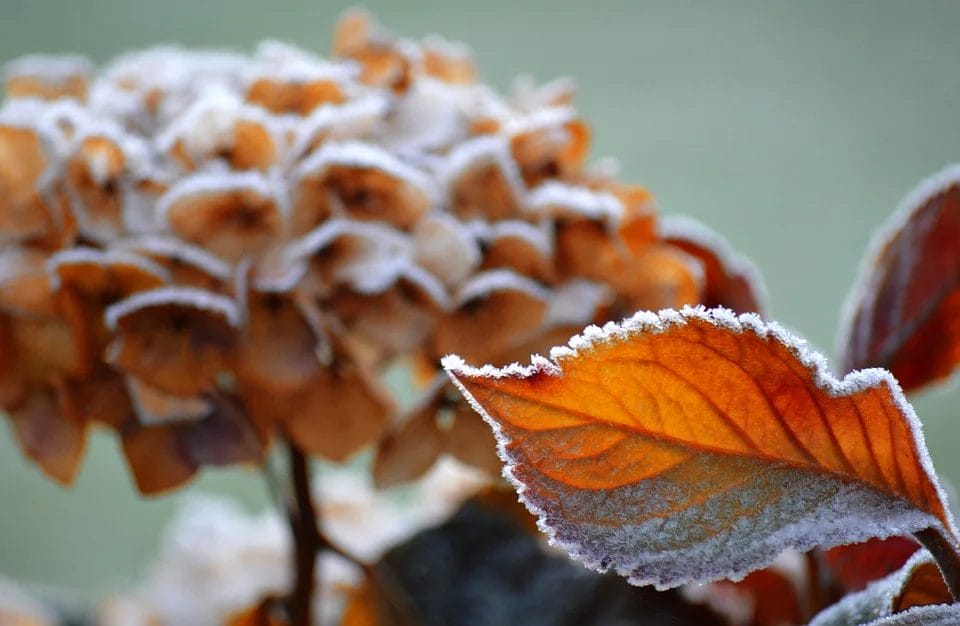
445, 247
555, 199
879, 599
635, 460
937, 615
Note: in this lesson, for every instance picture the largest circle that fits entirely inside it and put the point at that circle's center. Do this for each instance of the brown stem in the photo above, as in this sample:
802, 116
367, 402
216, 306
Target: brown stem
307, 542
946, 556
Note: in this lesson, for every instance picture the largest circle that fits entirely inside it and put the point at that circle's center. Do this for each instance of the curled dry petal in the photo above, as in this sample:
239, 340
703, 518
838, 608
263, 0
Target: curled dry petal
101, 397
483, 181
177, 339
413, 445
697, 445
495, 311
903, 312
730, 279
48, 436
94, 174
155, 407
23, 212
232, 216
278, 348
342, 408
360, 182
46, 329
518, 246
470, 440
156, 457
446, 248
550, 146
298, 97
48, 77
358, 37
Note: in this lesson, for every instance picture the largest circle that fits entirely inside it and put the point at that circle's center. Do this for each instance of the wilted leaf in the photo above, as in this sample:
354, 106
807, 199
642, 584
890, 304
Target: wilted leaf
696, 445
904, 312
918, 583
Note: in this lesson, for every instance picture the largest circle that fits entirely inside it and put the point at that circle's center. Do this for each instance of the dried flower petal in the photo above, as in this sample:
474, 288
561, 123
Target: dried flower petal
494, 311
176, 339
48, 77
233, 215
359, 181
49, 438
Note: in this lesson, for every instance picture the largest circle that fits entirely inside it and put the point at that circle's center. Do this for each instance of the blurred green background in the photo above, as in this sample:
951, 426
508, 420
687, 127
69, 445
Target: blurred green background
794, 128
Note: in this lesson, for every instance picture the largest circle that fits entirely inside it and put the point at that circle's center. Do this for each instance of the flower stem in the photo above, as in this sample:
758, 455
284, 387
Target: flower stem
303, 518
945, 554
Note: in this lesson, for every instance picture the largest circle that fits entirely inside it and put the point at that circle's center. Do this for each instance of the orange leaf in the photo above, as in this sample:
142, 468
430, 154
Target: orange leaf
904, 313
697, 445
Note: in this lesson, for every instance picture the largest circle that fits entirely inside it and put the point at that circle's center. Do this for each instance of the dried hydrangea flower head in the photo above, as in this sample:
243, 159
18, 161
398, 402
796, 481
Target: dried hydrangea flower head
204, 250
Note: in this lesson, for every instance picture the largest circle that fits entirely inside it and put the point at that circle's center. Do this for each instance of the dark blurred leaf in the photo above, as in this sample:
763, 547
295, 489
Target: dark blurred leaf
483, 568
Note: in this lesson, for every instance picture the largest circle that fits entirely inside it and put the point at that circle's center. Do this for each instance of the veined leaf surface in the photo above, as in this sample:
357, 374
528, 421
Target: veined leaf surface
697, 445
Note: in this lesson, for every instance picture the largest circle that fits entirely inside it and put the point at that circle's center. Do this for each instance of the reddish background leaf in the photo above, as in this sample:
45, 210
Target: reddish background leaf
904, 312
